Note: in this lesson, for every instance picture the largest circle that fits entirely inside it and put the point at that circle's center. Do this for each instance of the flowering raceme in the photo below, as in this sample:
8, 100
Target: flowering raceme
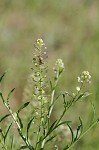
84, 77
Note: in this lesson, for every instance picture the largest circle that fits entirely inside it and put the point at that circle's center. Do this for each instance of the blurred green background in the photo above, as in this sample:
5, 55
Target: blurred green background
70, 29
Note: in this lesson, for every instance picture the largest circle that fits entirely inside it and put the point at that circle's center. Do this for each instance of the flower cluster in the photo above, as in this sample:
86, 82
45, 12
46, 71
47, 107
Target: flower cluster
59, 67
40, 42
84, 77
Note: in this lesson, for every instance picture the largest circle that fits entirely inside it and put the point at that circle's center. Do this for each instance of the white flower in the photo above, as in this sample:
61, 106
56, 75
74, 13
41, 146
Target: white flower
86, 73
79, 79
59, 66
84, 77
60, 63
78, 88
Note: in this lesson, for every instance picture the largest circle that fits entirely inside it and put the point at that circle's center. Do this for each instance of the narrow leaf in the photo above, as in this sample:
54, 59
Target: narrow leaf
51, 138
79, 128
64, 98
80, 96
81, 123
4, 117
0, 129
23, 106
66, 147
22, 136
7, 131
51, 129
23, 147
64, 122
51, 85
72, 134
20, 121
52, 126
2, 97
2, 76
10, 93
1, 132
28, 126
77, 133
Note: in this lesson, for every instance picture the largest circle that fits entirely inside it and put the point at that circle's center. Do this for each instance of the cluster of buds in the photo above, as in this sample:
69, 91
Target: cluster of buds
40, 42
85, 77
59, 67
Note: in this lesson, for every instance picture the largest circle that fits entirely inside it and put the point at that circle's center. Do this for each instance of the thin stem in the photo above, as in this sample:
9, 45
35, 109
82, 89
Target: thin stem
52, 96
52, 99
61, 116
72, 102
3, 146
38, 133
42, 103
18, 126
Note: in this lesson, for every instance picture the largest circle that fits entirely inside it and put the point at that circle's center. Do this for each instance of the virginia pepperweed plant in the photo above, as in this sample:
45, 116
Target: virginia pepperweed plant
36, 131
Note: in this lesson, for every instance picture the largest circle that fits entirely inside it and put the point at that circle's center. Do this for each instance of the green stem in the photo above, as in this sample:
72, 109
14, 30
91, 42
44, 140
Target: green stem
42, 104
3, 146
18, 126
52, 96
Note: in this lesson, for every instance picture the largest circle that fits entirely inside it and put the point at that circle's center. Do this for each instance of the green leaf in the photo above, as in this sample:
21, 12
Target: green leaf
20, 133
10, 93
1, 132
23, 147
50, 139
58, 96
0, 129
7, 131
39, 141
4, 117
2, 76
79, 128
64, 98
81, 123
23, 106
76, 137
72, 134
80, 96
64, 122
2, 97
28, 126
66, 147
20, 121
51, 85
51, 128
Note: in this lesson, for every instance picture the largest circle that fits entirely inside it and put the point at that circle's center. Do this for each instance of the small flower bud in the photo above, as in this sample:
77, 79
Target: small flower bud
78, 88
40, 42
59, 66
